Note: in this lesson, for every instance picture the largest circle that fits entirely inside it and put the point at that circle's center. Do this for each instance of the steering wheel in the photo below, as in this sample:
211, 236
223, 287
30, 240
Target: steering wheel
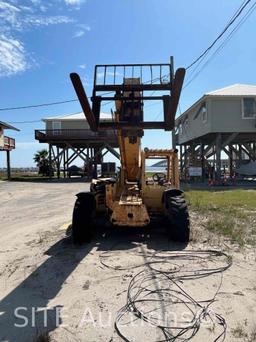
159, 177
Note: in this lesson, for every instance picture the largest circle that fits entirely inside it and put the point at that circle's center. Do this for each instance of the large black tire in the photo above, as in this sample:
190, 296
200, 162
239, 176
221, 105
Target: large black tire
178, 225
82, 223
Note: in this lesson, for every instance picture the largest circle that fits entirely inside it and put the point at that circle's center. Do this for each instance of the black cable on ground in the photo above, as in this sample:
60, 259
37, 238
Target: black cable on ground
165, 290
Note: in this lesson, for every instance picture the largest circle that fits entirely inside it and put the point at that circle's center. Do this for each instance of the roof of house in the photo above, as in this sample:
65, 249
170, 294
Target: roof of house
232, 90
76, 116
235, 90
7, 126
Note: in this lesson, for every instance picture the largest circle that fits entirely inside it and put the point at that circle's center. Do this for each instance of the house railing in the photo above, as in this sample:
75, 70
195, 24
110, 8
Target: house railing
9, 144
73, 134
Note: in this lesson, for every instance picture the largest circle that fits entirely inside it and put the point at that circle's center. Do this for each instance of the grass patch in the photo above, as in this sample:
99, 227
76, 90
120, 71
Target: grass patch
230, 213
252, 336
239, 332
226, 226
234, 199
149, 174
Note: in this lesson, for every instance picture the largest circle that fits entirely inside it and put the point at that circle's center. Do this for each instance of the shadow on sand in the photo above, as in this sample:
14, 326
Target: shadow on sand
44, 283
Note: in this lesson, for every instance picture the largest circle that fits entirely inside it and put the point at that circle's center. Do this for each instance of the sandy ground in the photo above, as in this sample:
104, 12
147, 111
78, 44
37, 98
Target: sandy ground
77, 292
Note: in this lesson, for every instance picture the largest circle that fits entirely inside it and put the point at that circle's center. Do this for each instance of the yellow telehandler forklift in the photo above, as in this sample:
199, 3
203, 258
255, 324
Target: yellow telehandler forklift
132, 199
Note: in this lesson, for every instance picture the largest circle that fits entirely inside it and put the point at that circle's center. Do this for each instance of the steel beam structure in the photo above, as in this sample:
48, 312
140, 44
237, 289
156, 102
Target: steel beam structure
206, 152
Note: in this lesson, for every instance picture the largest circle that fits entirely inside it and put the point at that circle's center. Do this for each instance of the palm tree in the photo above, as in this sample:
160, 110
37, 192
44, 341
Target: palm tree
42, 161
40, 155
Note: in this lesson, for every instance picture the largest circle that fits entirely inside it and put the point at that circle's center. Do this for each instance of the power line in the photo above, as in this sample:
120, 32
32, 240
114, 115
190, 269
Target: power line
233, 19
33, 121
235, 29
38, 105
228, 38
62, 102
157, 116
69, 101
197, 66
24, 122
106, 103
198, 59
44, 104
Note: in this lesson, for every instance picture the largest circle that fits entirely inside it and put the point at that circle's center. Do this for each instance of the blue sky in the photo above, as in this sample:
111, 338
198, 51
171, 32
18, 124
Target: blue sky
41, 42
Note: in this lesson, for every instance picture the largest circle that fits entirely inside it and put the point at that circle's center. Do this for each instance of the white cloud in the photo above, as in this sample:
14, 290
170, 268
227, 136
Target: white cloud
82, 66
13, 56
45, 21
27, 9
43, 8
8, 15
19, 18
78, 34
13, 18
84, 27
75, 3
108, 73
36, 2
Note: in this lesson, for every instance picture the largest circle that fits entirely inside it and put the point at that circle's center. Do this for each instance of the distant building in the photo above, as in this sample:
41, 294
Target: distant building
69, 137
75, 122
223, 120
7, 144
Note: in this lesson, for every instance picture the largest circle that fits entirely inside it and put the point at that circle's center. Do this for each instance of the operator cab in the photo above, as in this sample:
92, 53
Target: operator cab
161, 164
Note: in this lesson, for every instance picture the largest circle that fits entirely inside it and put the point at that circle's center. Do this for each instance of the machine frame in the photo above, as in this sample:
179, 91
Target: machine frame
131, 199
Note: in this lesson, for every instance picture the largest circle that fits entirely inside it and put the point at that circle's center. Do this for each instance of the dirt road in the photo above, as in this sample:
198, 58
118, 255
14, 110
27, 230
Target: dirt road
76, 293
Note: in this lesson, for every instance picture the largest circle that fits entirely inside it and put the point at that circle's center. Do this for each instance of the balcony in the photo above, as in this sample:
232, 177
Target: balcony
8, 144
78, 135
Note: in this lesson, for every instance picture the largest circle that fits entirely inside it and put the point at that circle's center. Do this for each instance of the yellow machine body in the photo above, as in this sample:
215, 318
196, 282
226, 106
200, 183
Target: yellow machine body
131, 204
134, 197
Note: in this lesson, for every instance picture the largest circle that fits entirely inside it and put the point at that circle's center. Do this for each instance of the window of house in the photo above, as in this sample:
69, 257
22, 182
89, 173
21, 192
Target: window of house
202, 112
56, 126
249, 107
1, 137
180, 129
